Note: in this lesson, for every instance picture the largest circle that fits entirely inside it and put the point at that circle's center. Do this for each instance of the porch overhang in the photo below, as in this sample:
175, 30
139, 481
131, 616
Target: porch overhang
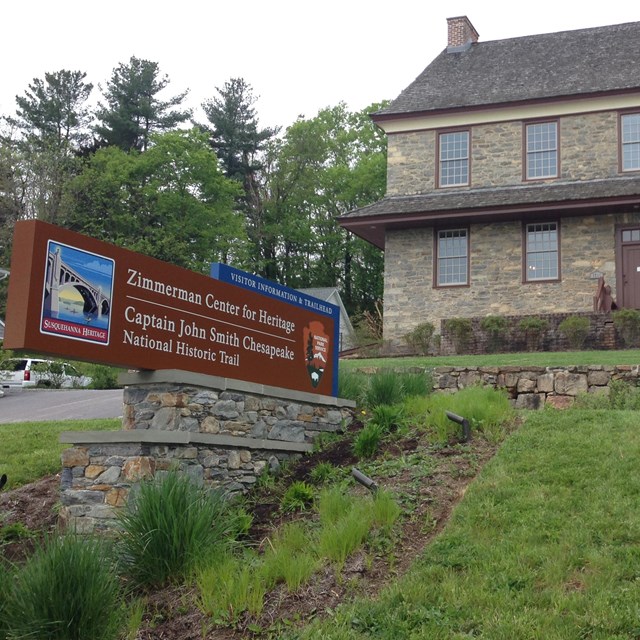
492, 205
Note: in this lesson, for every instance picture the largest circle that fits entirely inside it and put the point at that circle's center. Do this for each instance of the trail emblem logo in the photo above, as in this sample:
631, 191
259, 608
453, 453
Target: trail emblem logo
316, 343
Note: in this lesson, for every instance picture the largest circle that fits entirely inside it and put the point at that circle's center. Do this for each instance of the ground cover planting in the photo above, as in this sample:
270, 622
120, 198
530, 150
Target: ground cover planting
538, 532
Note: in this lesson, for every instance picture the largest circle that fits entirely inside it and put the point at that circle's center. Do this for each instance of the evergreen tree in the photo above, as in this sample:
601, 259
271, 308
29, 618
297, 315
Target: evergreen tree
134, 110
240, 144
52, 114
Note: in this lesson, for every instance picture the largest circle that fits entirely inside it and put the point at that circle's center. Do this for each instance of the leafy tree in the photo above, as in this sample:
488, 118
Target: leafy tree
39, 145
171, 202
134, 110
321, 169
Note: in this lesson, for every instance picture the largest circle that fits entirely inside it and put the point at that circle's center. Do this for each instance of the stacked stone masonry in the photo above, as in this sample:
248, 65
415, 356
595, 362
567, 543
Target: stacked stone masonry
535, 387
221, 439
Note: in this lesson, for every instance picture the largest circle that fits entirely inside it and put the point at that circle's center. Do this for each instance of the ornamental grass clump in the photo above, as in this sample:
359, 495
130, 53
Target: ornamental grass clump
172, 525
67, 590
229, 586
384, 387
290, 558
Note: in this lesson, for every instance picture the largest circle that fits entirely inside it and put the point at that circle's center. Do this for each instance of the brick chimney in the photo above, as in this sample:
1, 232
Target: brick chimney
462, 34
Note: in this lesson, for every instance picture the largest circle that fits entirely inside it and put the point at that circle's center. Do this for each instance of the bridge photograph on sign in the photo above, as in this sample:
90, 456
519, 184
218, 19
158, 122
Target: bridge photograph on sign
77, 293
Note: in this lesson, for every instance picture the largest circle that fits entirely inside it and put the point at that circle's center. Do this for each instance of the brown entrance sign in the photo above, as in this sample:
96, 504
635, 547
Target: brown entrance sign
76, 297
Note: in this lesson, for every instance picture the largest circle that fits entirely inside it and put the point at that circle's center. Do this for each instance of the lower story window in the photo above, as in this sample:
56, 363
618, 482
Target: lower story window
542, 251
453, 257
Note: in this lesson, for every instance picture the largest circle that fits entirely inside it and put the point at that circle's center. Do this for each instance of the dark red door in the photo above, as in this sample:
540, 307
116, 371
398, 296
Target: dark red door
631, 276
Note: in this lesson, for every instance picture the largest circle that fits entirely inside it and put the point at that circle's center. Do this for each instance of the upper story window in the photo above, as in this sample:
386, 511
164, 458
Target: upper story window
630, 127
453, 165
542, 150
452, 251
542, 252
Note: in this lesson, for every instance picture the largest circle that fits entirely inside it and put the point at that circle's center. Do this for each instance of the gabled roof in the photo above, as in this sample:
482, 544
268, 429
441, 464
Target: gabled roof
540, 67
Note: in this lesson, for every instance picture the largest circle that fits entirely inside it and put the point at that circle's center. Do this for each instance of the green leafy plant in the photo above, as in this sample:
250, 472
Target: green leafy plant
388, 417
419, 338
367, 441
66, 591
496, 328
170, 526
297, 497
324, 473
576, 330
461, 331
627, 324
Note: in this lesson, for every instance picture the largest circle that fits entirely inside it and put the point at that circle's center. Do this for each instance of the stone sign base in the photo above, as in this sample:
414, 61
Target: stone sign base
223, 433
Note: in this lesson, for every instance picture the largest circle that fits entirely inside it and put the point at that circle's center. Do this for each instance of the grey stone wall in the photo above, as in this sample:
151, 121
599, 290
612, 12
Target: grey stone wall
535, 387
222, 433
588, 150
587, 245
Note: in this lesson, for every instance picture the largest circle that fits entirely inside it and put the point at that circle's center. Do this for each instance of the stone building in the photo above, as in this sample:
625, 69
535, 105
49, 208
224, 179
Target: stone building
513, 179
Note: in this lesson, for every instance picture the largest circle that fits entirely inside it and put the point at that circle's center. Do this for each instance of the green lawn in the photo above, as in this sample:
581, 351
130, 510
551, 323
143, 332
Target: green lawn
30, 450
544, 359
545, 545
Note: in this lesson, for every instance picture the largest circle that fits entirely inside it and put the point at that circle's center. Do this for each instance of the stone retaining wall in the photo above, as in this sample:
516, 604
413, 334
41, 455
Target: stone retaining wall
533, 387
222, 433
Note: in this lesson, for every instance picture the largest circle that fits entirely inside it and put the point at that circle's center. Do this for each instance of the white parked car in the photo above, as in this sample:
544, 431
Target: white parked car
31, 372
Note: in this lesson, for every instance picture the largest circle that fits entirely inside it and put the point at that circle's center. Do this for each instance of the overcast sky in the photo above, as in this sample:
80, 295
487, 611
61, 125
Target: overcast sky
298, 56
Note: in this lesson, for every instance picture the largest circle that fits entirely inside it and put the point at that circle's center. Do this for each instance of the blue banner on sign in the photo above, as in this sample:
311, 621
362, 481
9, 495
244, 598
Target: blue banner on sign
271, 289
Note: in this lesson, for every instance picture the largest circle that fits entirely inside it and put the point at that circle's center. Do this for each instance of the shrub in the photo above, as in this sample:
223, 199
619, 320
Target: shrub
496, 328
66, 590
170, 526
576, 330
419, 339
367, 441
533, 328
461, 331
103, 377
49, 374
297, 497
627, 323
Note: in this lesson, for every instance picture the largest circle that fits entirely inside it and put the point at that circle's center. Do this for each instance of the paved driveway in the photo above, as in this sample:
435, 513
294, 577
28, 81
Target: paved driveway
29, 405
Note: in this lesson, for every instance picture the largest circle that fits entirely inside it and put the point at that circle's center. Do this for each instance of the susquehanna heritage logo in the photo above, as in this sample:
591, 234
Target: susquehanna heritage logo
76, 296
316, 343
